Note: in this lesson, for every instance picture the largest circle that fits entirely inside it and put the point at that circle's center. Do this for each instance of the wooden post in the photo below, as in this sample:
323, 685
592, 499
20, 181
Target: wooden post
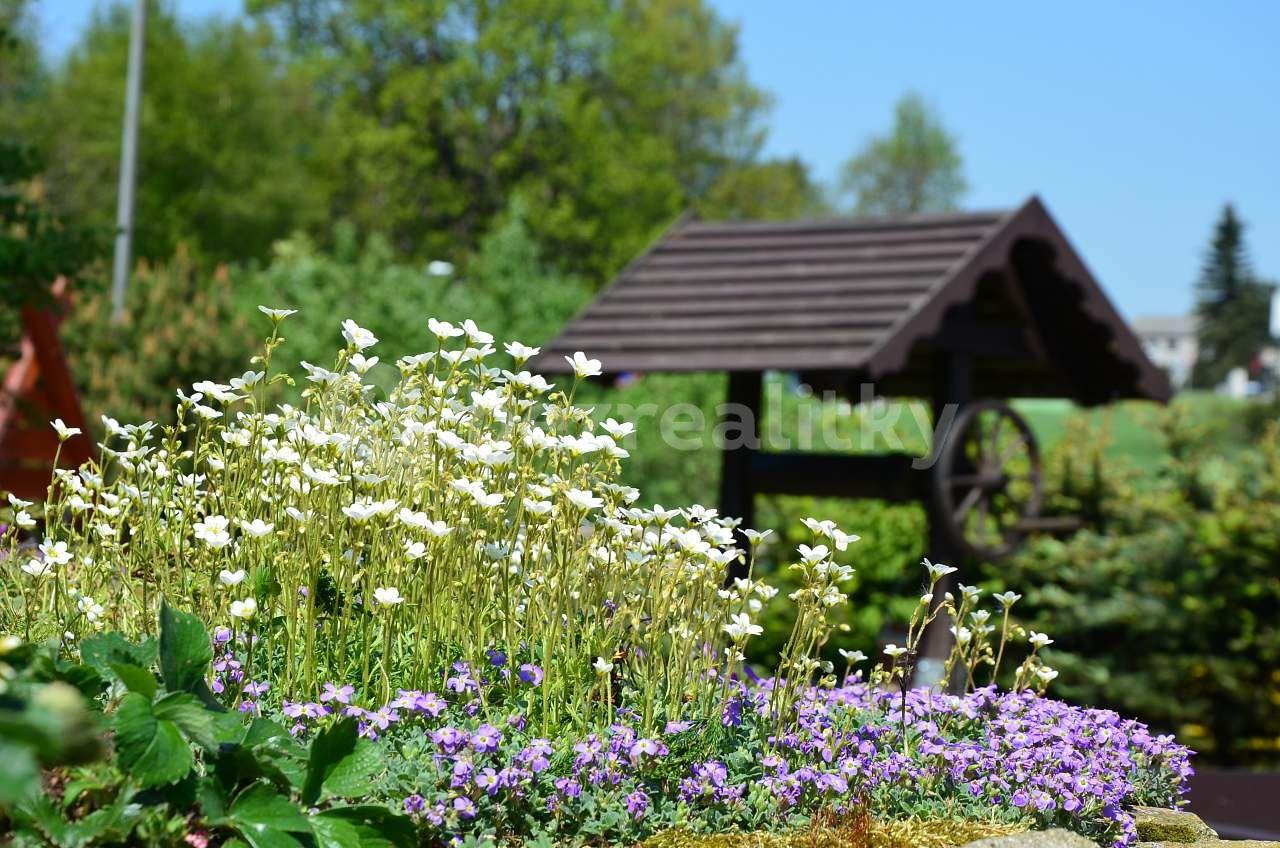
737, 490
954, 386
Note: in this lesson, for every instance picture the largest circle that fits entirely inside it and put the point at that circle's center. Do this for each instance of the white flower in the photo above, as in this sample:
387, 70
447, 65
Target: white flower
276, 314
1039, 640
357, 335
1007, 599
582, 498
366, 508
19, 503
92, 609
213, 531
755, 537
439, 268
387, 596
64, 432
852, 657
814, 554
360, 364
244, 609
1046, 674
937, 571
414, 550
38, 568
520, 352
23, 519
55, 552
247, 380
443, 329
255, 528
602, 665
894, 652
583, 367
618, 429
231, 578
740, 626
476, 334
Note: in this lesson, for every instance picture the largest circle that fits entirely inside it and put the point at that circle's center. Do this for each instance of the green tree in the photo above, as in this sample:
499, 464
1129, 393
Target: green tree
776, 189
228, 136
36, 246
915, 168
608, 116
1231, 304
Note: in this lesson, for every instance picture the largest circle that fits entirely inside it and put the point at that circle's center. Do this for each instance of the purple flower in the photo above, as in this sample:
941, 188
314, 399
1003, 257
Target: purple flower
637, 804
431, 704
341, 694
415, 804
486, 738
496, 657
531, 674
464, 807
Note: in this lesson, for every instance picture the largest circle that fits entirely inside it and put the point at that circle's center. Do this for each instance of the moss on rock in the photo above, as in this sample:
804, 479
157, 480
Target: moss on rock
849, 833
1179, 827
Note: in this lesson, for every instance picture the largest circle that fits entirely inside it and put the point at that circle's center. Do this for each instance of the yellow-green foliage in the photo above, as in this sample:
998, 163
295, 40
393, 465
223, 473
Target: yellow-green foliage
855, 833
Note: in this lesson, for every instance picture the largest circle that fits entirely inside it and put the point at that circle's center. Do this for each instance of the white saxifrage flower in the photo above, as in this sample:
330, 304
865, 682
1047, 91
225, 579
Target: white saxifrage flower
231, 578
582, 499
357, 335
387, 596
244, 609
740, 627
583, 367
64, 432
255, 528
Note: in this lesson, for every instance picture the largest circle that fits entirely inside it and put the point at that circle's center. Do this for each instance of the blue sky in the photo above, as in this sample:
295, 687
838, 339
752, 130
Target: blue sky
1134, 121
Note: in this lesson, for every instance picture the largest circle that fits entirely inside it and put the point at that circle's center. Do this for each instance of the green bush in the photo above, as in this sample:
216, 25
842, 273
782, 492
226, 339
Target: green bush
1168, 605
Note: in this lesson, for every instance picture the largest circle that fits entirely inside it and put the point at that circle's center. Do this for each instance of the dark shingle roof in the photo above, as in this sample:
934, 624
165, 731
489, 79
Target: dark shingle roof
857, 297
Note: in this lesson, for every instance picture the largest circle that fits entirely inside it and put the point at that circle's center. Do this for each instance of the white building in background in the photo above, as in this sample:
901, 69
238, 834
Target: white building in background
1170, 342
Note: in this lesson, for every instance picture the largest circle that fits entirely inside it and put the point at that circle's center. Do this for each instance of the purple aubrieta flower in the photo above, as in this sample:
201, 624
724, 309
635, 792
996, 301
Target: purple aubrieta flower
450, 739
222, 635
496, 658
637, 804
486, 738
341, 694
531, 674
464, 807
256, 690
415, 804
431, 704
674, 727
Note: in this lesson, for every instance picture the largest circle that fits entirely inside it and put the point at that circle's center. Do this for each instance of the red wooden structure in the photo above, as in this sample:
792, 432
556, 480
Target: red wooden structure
37, 389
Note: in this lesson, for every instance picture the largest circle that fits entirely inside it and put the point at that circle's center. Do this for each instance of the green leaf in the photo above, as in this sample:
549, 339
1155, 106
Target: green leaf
150, 749
263, 730
185, 652
330, 747
350, 775
377, 826
191, 717
261, 807
333, 832
135, 678
103, 649
19, 773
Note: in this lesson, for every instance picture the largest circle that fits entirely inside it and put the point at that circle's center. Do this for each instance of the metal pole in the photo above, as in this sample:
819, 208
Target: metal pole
128, 162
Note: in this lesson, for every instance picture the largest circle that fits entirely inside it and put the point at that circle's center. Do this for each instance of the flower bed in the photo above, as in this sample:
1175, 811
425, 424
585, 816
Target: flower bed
468, 627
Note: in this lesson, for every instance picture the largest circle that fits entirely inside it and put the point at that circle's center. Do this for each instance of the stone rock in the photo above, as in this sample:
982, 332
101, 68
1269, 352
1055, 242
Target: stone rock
1176, 826
1056, 838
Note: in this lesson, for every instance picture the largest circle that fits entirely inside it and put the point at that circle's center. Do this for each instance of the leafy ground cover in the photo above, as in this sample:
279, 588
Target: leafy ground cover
434, 614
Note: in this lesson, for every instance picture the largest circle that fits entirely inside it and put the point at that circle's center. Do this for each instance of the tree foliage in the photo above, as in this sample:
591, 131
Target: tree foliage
228, 157
775, 189
607, 116
1231, 304
915, 168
